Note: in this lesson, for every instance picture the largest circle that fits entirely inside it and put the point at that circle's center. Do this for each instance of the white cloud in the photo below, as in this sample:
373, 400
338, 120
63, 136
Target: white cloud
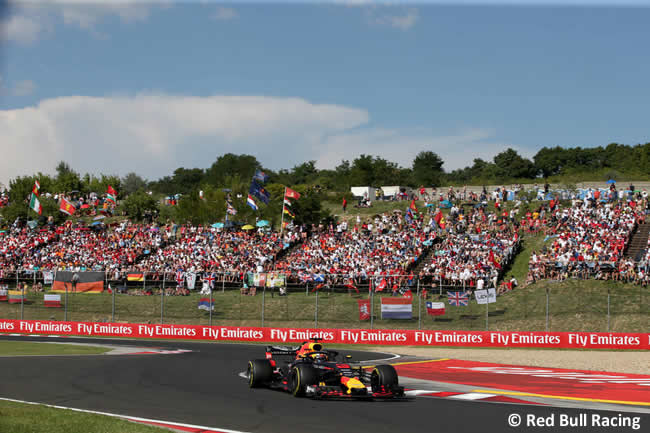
402, 21
154, 134
224, 14
28, 21
24, 88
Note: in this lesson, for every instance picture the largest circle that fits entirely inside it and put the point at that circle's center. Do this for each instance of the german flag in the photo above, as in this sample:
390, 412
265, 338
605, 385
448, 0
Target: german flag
135, 277
91, 282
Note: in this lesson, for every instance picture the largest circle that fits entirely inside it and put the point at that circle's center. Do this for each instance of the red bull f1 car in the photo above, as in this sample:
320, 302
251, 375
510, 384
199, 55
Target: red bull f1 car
309, 370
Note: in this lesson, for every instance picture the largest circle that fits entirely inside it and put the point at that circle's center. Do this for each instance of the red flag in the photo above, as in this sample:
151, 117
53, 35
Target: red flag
435, 308
318, 286
382, 285
36, 188
111, 191
351, 286
494, 261
413, 207
408, 294
66, 207
289, 193
364, 309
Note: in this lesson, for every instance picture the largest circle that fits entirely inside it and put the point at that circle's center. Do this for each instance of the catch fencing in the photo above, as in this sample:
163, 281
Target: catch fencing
333, 303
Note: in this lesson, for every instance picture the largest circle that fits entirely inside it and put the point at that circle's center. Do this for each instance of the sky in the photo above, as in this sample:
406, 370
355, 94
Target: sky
115, 87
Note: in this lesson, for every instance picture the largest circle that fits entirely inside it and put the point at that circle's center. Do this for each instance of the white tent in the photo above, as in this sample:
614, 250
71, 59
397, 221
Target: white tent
391, 191
363, 192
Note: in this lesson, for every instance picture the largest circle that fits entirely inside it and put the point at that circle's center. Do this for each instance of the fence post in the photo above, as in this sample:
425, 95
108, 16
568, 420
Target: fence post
65, 307
440, 284
162, 300
223, 283
113, 302
210, 322
372, 306
263, 302
419, 306
547, 303
144, 282
608, 304
22, 299
487, 311
316, 311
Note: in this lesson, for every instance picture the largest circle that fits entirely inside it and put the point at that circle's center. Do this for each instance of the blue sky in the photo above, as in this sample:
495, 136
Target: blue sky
114, 87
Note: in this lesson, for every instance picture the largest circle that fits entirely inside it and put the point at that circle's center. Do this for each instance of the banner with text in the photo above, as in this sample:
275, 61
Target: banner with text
559, 340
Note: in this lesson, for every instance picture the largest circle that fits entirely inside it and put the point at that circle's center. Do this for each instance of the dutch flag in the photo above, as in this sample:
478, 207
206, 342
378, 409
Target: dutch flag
251, 202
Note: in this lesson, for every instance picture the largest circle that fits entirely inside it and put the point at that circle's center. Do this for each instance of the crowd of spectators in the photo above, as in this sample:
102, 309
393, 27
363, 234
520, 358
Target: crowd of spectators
588, 239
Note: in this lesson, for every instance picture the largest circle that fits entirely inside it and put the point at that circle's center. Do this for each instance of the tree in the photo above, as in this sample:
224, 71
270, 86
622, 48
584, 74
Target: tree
132, 183
187, 179
510, 165
231, 165
138, 204
427, 169
67, 180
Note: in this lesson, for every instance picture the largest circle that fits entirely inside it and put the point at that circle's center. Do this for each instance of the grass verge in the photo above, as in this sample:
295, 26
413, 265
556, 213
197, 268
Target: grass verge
28, 418
21, 348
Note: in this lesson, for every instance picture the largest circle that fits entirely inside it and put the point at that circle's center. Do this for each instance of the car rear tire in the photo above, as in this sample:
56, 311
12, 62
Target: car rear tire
383, 375
301, 377
260, 373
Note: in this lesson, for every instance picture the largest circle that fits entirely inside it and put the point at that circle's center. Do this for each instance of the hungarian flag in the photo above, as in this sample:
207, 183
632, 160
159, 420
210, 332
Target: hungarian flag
435, 308
111, 194
494, 261
66, 207
35, 205
52, 301
289, 193
37, 187
364, 309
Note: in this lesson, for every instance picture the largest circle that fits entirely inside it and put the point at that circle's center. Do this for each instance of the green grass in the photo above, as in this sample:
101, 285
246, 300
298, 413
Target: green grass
519, 267
18, 348
574, 305
28, 418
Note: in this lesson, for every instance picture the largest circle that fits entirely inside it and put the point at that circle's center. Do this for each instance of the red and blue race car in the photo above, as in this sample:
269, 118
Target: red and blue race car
309, 370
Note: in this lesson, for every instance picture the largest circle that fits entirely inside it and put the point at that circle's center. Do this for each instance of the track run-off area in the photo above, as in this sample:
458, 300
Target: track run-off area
198, 386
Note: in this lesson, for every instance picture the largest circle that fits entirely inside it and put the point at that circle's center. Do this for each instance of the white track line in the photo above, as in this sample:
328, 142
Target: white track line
472, 396
126, 417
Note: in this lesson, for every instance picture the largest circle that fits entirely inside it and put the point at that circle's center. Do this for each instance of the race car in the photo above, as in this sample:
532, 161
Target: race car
309, 370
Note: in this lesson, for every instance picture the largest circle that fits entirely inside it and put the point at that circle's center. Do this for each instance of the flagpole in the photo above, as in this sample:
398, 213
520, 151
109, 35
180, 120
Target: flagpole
282, 216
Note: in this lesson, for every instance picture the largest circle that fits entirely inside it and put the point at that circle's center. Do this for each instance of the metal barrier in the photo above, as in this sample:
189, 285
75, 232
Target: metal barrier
547, 305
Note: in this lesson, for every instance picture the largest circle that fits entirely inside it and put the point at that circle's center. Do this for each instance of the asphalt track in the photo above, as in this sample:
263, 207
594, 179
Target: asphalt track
203, 387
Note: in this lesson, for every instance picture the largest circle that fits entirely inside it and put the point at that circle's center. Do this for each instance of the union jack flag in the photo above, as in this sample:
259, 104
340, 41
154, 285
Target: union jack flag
179, 279
458, 299
209, 278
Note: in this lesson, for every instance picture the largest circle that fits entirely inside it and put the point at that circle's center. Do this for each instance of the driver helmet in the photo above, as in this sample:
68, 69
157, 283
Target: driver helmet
318, 356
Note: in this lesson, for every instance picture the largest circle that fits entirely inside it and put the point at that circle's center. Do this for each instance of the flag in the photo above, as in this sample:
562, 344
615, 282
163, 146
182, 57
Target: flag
440, 220
37, 188
284, 224
35, 205
135, 277
318, 287
260, 192
52, 301
413, 207
190, 278
364, 309
261, 176
485, 296
494, 261
204, 304
111, 191
289, 193
201, 195
381, 286
91, 282
66, 207
287, 202
251, 202
3, 295
351, 286
458, 299
16, 297
408, 295
48, 277
208, 279
179, 279
396, 308
288, 212
435, 308
231, 210
319, 278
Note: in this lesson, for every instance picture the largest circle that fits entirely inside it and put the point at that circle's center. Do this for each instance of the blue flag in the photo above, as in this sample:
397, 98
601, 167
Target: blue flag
261, 176
260, 192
